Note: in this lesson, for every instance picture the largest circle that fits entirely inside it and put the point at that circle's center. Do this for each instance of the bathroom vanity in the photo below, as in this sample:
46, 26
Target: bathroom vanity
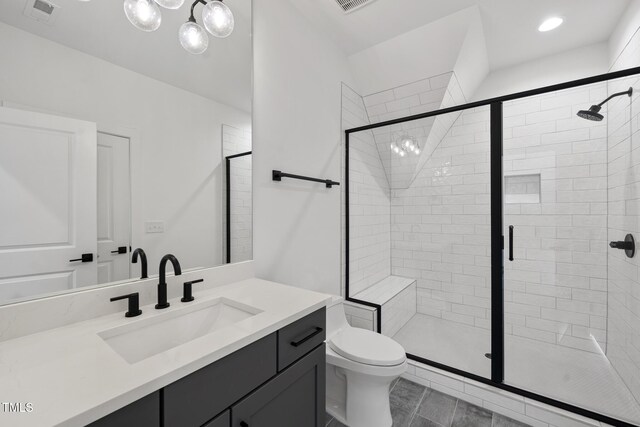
275, 381
246, 353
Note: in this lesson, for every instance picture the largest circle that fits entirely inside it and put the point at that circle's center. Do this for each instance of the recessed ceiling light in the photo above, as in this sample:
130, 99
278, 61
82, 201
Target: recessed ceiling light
550, 24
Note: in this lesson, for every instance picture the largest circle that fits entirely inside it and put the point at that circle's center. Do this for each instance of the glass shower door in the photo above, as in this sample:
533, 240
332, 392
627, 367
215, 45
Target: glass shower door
555, 259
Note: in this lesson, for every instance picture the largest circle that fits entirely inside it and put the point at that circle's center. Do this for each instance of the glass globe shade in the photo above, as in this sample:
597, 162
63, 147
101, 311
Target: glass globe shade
417, 151
143, 14
402, 153
170, 4
193, 38
218, 19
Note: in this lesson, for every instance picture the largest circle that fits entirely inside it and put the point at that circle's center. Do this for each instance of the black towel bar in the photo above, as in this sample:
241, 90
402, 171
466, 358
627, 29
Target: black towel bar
278, 175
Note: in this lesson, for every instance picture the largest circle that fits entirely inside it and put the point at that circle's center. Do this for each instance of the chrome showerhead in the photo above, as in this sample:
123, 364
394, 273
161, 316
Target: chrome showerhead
592, 114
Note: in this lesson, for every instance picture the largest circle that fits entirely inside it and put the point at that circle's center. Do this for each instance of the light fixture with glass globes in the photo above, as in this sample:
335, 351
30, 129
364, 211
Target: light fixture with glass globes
216, 17
407, 144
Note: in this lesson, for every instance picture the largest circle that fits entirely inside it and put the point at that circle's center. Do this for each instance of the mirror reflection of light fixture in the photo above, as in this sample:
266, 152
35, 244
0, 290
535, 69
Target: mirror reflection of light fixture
193, 37
170, 4
143, 14
216, 17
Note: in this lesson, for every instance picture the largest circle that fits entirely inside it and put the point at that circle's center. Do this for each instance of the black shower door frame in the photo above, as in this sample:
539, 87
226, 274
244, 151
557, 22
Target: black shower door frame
497, 238
228, 200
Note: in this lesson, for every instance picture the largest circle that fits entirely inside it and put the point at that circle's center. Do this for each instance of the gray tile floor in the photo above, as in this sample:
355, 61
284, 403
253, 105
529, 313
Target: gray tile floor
413, 405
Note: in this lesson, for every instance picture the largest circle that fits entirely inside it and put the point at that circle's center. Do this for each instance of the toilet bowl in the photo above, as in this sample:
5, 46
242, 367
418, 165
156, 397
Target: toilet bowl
361, 365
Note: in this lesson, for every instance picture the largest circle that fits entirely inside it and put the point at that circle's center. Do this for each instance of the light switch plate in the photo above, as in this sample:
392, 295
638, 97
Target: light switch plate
154, 226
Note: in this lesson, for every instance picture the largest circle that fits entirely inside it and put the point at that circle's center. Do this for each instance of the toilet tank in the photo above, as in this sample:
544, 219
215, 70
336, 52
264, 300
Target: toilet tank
336, 319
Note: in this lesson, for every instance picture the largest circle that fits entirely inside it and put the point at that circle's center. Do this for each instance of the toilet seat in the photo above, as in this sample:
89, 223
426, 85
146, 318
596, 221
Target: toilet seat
367, 347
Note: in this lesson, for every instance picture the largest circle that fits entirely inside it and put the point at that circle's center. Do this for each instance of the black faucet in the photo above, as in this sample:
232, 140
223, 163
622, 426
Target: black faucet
162, 286
143, 261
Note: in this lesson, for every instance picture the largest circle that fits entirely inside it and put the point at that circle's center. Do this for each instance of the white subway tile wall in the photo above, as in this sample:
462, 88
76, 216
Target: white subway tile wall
236, 141
419, 97
369, 199
623, 325
440, 231
556, 287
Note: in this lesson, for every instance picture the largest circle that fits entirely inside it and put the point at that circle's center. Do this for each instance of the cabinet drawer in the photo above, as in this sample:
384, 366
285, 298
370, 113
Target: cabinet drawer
299, 338
200, 396
294, 398
222, 420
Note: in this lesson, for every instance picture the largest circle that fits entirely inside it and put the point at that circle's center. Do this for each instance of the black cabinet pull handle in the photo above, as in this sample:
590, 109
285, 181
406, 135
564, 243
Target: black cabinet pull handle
120, 250
315, 332
84, 258
511, 243
243, 424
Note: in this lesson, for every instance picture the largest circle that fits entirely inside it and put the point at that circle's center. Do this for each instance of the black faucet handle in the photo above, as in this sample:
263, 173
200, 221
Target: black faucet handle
134, 304
188, 290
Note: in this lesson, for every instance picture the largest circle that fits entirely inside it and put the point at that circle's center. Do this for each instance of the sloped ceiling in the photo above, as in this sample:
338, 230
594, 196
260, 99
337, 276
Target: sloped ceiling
100, 28
510, 25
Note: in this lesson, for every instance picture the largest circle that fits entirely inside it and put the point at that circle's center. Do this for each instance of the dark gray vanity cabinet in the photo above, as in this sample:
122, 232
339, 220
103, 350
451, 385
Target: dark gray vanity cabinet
202, 395
143, 412
277, 381
294, 398
222, 420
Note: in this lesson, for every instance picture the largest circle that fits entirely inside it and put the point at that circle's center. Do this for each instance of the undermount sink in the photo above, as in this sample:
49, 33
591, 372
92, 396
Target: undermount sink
148, 337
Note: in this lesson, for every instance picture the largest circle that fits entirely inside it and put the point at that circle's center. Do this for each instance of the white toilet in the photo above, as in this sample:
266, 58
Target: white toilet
361, 365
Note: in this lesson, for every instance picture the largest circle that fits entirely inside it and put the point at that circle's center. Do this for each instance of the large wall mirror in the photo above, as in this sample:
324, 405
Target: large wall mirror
113, 138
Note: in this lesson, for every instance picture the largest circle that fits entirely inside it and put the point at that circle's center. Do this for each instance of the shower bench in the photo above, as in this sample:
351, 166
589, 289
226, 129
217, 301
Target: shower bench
397, 297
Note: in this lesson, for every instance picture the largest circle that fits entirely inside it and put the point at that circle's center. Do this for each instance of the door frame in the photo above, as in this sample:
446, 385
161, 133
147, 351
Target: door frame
133, 135
497, 239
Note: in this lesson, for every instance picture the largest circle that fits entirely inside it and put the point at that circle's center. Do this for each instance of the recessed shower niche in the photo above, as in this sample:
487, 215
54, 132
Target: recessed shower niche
522, 188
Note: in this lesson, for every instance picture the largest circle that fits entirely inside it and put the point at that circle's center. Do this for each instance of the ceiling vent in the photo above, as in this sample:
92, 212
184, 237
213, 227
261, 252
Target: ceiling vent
352, 5
41, 10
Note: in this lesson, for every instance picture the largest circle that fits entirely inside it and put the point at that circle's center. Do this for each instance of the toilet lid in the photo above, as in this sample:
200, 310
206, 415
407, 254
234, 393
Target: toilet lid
367, 347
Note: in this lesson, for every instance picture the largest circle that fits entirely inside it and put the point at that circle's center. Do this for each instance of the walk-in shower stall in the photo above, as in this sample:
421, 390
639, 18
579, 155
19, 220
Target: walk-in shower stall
492, 239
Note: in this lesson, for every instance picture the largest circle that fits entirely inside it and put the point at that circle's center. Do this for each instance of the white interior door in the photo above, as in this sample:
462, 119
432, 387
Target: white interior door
48, 205
114, 206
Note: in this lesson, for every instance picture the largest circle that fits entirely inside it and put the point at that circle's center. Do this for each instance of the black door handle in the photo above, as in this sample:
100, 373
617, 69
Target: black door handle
243, 424
315, 332
120, 250
85, 258
511, 243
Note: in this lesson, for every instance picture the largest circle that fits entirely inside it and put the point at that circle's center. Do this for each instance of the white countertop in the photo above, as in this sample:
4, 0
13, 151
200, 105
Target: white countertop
72, 377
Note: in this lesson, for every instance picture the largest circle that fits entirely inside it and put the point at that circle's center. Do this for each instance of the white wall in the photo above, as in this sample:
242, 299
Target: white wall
177, 161
623, 34
424, 52
571, 65
296, 129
